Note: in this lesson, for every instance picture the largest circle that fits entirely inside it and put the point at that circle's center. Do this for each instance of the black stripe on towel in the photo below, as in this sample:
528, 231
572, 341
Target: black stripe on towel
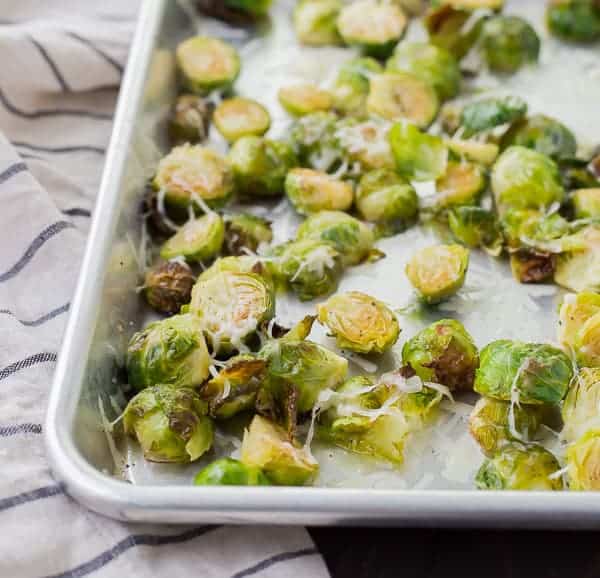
105, 56
55, 70
40, 320
20, 428
43, 357
67, 149
275, 560
11, 171
25, 497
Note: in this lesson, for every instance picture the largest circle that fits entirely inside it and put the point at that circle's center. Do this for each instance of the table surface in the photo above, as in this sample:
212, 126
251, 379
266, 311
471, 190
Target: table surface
418, 553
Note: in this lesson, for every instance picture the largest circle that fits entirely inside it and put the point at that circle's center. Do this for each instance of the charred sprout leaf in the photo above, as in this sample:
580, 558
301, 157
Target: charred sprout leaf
574, 20
531, 266
475, 228
246, 232
346, 234
470, 150
168, 286
583, 462
438, 272
230, 472
373, 26
432, 64
303, 99
578, 174
189, 171
238, 117
314, 141
235, 12
359, 322
580, 408
461, 184
169, 423
260, 165
578, 268
266, 446
312, 191
315, 22
171, 351
489, 113
508, 43
528, 373
352, 85
586, 203
206, 64
190, 120
575, 312
520, 467
198, 240
402, 96
364, 144
443, 353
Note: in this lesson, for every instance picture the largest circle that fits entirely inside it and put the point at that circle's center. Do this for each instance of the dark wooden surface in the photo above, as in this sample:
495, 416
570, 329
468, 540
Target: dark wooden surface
409, 553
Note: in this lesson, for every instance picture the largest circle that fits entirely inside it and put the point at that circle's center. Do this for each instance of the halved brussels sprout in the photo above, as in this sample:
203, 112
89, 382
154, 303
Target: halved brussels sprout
169, 423
235, 387
206, 64
419, 156
346, 234
310, 268
230, 472
302, 99
198, 240
580, 408
586, 203
525, 179
532, 229
443, 352
266, 446
484, 153
231, 306
520, 467
359, 322
190, 170
314, 141
312, 191
574, 20
260, 165
432, 64
385, 198
544, 135
365, 143
575, 311
530, 373
587, 342
315, 22
171, 351
486, 114
461, 184
238, 117
402, 96
583, 462
438, 272
168, 286
508, 43
476, 228
373, 26
246, 232
352, 85
190, 120
492, 425
578, 268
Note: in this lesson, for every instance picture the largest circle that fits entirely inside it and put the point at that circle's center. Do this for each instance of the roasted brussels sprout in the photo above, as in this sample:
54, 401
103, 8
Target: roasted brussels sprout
235, 387
303, 99
385, 198
346, 234
206, 64
198, 240
531, 266
419, 156
190, 119
525, 179
246, 232
578, 268
544, 135
529, 373
359, 322
266, 446
494, 423
583, 467
365, 143
170, 424
312, 191
260, 165
373, 26
314, 140
438, 272
532, 229
586, 203
230, 472
486, 114
580, 408
238, 117
575, 312
461, 184
574, 20
168, 286
520, 467
242, 264
171, 351
431, 64
402, 96
508, 43
352, 85
475, 227
231, 306
484, 153
310, 268
189, 171
315, 22
443, 353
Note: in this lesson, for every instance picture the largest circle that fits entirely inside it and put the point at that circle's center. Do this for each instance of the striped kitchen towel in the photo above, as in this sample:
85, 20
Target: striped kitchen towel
61, 64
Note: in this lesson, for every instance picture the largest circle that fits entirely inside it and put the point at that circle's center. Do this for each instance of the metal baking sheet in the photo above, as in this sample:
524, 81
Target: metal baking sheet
435, 484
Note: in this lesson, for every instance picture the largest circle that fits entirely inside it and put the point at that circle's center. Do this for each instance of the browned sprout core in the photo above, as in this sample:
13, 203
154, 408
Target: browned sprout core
168, 287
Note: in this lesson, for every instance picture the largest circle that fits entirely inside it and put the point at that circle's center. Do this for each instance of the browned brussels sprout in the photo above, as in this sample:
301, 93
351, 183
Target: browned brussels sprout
169, 286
